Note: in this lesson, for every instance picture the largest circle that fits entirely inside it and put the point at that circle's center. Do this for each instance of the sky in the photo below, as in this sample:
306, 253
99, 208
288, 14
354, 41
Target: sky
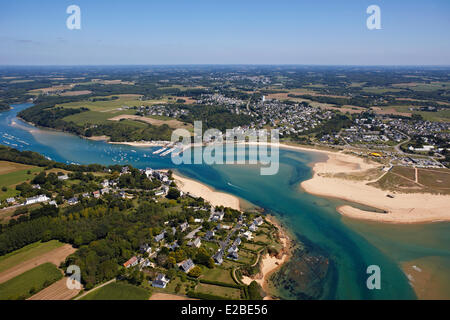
134, 32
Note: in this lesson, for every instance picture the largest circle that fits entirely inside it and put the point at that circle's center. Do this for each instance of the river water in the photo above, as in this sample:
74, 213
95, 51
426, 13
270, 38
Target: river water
420, 252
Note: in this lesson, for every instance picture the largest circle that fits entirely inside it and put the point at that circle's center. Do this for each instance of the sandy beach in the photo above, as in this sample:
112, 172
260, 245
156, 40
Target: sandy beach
403, 208
144, 144
98, 138
270, 264
198, 189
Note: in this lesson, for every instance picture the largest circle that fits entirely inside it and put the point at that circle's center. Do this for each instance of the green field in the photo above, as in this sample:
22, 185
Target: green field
217, 274
30, 282
380, 90
226, 292
118, 291
432, 86
111, 105
441, 115
96, 117
28, 252
12, 174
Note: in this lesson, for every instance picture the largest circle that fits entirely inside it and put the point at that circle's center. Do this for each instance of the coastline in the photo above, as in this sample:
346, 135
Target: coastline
403, 208
197, 189
270, 264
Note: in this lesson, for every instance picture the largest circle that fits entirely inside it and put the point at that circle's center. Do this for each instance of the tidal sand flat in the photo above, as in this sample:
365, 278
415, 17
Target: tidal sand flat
397, 208
337, 251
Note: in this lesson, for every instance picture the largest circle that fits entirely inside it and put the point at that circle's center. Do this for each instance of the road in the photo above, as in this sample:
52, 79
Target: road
223, 244
191, 234
93, 289
397, 147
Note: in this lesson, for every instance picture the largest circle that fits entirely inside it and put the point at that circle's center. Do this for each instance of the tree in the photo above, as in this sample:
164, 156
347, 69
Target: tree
173, 194
254, 291
195, 272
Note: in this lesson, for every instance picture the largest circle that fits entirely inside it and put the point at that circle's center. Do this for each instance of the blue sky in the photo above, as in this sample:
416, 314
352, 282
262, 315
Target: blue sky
225, 32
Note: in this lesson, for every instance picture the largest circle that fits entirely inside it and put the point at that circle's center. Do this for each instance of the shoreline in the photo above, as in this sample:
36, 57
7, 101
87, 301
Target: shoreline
271, 264
403, 208
268, 264
198, 189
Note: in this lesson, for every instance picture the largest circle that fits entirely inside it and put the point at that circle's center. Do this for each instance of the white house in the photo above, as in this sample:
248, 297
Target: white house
248, 235
37, 199
258, 221
161, 281
148, 172
196, 243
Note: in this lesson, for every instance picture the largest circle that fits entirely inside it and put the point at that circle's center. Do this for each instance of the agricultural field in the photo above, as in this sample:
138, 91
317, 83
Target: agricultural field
30, 282
12, 174
118, 291
416, 86
112, 105
440, 115
95, 117
101, 112
381, 90
22, 260
158, 121
56, 291
28, 252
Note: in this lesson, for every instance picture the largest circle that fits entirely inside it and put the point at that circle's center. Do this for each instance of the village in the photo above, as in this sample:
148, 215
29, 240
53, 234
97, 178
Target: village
204, 255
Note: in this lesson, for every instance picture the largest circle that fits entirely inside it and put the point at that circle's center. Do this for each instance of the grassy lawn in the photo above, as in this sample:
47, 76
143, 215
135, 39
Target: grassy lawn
262, 237
170, 288
228, 264
251, 246
217, 274
210, 246
247, 257
28, 252
230, 293
30, 282
118, 291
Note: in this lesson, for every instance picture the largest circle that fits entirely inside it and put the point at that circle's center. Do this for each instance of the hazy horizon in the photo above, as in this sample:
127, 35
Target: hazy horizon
322, 33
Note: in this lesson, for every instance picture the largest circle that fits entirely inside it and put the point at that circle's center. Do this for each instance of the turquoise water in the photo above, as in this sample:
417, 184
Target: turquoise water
349, 245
